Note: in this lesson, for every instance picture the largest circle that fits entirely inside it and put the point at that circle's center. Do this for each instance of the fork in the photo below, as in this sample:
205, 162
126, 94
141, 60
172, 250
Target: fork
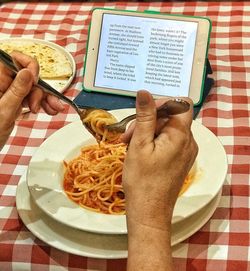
171, 107
14, 66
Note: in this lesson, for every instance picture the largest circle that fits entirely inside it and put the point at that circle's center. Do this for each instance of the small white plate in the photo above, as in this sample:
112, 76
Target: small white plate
94, 245
59, 84
45, 178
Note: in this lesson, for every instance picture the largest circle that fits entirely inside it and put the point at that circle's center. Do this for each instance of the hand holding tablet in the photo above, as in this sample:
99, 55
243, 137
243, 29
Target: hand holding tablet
164, 54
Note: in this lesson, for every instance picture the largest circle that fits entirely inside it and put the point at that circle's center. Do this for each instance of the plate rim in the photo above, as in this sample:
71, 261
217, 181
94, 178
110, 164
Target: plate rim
23, 199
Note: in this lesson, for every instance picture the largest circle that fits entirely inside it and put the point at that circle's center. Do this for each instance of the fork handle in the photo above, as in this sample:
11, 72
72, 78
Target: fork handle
171, 107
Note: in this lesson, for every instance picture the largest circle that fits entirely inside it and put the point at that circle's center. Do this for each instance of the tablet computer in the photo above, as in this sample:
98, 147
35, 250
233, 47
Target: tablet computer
164, 54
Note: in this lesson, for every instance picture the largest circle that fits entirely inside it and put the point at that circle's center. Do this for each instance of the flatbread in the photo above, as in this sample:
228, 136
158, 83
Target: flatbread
53, 63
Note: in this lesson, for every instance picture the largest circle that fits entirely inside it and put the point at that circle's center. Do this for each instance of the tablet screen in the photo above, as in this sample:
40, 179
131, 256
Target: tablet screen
146, 53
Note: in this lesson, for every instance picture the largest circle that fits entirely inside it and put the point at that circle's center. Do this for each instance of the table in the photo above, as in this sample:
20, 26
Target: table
223, 243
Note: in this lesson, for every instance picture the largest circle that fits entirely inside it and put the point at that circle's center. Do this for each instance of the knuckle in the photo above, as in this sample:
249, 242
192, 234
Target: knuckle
16, 90
140, 143
187, 142
144, 117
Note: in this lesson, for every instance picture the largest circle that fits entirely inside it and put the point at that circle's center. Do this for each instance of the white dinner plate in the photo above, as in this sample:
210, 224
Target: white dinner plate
45, 178
94, 245
59, 84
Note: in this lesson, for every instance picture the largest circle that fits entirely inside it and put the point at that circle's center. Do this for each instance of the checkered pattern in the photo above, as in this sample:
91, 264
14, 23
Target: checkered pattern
223, 243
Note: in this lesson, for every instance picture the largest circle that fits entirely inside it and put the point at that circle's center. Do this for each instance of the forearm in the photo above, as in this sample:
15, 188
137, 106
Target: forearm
149, 238
149, 249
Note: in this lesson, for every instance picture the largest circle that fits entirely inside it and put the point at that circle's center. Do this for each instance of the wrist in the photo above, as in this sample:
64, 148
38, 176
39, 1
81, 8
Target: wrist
149, 212
149, 245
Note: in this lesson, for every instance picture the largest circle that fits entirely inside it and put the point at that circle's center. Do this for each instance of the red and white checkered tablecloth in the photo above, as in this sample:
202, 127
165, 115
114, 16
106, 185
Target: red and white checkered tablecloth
223, 243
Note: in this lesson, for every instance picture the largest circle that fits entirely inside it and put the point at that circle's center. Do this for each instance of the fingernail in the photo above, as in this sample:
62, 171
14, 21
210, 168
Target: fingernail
143, 98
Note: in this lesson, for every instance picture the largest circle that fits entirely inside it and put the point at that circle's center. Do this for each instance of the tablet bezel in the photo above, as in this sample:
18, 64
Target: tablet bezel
199, 61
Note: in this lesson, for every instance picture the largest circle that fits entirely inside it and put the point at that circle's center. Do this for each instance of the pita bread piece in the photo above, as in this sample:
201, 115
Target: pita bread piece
53, 63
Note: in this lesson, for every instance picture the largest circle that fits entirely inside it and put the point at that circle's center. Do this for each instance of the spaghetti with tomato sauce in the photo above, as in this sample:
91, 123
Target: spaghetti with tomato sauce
94, 178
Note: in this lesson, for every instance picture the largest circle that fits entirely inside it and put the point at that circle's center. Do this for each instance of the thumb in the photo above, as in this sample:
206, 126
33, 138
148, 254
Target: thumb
145, 118
19, 88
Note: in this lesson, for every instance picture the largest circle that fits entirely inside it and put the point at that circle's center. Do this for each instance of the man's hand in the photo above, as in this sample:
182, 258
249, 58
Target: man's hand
159, 157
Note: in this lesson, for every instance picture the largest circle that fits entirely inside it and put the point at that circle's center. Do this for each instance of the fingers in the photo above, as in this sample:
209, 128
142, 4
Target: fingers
37, 98
34, 99
18, 89
185, 118
52, 105
179, 124
5, 78
126, 137
22, 90
145, 118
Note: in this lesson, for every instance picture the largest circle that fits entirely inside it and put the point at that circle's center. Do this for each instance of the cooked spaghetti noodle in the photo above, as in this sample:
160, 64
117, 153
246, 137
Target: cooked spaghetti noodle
93, 179
97, 120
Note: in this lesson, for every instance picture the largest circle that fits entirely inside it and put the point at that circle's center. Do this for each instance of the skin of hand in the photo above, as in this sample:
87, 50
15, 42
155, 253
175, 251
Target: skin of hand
19, 91
159, 157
